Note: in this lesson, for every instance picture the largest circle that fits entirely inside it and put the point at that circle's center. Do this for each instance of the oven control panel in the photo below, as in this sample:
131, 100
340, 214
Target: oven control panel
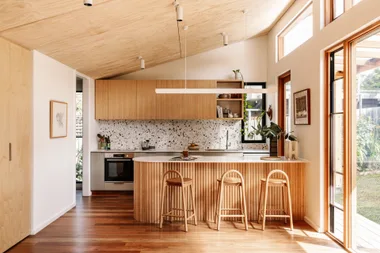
119, 155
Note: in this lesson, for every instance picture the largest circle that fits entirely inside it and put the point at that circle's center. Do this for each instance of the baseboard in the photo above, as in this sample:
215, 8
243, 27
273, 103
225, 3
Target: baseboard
52, 219
312, 224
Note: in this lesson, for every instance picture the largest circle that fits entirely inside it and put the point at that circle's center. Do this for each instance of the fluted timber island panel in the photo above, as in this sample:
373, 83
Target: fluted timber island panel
148, 182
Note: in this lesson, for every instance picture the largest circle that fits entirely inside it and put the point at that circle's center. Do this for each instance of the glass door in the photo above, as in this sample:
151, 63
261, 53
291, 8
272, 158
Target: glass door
336, 139
365, 111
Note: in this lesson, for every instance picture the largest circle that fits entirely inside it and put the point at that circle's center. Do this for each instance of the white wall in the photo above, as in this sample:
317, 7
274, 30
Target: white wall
90, 130
249, 56
53, 191
307, 69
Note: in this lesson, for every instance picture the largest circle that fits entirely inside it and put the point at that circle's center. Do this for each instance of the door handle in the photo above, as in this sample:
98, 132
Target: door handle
10, 152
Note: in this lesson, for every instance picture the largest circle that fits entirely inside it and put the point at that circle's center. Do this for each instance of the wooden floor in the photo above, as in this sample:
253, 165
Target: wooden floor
104, 223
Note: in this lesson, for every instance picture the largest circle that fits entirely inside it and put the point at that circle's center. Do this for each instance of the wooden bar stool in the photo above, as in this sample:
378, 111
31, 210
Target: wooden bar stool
183, 184
264, 185
231, 181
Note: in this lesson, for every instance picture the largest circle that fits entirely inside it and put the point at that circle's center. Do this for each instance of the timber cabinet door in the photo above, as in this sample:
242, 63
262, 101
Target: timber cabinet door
122, 99
146, 99
170, 106
15, 144
101, 99
200, 106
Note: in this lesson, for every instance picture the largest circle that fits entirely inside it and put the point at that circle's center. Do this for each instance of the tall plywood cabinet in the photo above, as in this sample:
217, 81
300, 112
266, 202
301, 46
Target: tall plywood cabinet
15, 144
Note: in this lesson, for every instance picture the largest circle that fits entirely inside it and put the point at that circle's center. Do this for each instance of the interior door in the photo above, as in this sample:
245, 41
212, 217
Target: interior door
4, 144
15, 145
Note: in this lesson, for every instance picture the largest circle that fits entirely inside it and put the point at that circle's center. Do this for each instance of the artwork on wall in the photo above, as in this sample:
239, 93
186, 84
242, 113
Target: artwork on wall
302, 107
58, 119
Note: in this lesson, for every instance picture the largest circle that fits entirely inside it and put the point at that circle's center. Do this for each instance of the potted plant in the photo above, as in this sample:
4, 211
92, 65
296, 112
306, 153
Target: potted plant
273, 132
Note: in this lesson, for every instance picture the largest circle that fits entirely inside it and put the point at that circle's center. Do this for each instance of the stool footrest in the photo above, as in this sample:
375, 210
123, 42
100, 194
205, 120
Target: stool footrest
230, 209
232, 215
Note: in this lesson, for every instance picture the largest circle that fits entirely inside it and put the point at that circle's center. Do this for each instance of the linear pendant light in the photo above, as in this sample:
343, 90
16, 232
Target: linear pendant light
212, 90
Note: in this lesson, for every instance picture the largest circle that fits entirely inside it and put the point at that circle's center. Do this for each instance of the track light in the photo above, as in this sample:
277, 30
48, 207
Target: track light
87, 2
225, 38
179, 10
142, 62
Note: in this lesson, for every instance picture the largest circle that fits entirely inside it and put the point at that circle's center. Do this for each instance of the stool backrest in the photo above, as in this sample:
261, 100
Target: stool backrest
277, 172
230, 172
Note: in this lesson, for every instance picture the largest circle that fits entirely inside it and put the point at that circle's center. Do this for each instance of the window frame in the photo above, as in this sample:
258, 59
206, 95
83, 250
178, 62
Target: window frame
330, 7
293, 22
263, 107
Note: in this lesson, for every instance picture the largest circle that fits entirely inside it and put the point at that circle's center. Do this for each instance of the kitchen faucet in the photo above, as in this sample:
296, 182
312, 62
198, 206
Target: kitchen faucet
227, 140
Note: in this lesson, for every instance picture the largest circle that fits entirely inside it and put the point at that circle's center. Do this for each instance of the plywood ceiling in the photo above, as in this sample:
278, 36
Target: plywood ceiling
106, 39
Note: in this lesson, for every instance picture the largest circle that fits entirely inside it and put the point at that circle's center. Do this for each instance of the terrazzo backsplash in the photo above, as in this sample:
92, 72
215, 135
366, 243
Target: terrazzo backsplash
175, 134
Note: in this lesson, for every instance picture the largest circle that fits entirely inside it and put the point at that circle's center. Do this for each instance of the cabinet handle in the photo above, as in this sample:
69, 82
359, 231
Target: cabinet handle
10, 152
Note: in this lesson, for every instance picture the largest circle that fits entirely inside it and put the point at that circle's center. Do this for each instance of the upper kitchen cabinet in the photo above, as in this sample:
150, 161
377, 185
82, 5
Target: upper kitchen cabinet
199, 106
170, 106
122, 99
101, 99
115, 99
146, 99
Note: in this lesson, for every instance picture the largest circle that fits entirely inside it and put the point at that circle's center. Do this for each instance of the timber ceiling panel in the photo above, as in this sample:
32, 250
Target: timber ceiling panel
106, 39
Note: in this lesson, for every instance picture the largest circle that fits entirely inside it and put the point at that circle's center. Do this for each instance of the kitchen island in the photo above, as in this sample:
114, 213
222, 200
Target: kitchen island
205, 170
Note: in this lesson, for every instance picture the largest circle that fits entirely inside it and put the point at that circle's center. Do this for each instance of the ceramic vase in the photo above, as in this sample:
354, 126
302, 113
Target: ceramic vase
291, 149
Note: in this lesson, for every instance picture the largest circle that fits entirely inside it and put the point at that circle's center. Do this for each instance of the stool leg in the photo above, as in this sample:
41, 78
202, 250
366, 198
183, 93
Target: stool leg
245, 205
184, 202
221, 193
241, 203
260, 200
283, 201
290, 206
193, 200
265, 204
217, 203
162, 203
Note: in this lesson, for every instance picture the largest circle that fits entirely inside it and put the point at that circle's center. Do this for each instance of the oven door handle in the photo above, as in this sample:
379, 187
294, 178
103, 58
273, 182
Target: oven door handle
118, 160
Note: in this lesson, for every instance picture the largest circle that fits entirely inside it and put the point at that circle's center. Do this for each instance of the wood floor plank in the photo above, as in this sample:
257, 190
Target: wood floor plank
104, 223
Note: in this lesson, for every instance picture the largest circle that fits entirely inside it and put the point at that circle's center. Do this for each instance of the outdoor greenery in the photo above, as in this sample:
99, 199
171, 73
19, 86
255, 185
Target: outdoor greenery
79, 165
368, 198
367, 144
371, 81
79, 155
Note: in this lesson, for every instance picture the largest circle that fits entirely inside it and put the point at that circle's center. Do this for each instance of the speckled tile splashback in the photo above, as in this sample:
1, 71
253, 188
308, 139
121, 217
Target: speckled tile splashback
174, 134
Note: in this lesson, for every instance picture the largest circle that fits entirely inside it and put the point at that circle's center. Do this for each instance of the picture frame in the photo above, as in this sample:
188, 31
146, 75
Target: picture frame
301, 105
58, 119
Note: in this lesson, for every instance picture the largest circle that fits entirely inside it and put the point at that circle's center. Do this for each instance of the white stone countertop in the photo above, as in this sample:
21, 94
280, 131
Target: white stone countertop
252, 151
214, 159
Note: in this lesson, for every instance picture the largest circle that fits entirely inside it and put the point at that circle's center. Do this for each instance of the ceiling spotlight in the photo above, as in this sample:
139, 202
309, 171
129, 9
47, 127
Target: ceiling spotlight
179, 10
225, 38
87, 2
142, 62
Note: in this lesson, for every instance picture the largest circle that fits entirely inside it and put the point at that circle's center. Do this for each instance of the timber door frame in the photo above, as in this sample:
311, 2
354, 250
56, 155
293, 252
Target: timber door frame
282, 79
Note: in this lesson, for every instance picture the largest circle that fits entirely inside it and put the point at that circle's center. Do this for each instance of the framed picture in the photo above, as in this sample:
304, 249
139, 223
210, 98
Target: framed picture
302, 107
58, 119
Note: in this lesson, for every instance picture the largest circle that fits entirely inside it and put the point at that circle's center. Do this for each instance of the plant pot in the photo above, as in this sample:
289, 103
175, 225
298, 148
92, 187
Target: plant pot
273, 147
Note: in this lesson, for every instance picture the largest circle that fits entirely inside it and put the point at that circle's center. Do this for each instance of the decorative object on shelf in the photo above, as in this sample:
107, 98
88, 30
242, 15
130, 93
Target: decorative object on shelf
219, 110
272, 132
238, 74
270, 112
235, 95
224, 96
236, 115
58, 119
230, 115
193, 146
302, 107
291, 149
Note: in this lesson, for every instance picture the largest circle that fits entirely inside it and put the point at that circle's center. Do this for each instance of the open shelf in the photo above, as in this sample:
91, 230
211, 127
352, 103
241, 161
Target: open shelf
235, 105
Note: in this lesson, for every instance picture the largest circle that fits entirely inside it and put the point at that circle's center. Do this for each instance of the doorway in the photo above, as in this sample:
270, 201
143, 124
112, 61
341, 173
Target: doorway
284, 107
353, 141
79, 133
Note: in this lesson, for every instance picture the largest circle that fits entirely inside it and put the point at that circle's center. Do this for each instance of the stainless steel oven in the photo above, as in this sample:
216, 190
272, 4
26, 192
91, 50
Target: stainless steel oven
118, 168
